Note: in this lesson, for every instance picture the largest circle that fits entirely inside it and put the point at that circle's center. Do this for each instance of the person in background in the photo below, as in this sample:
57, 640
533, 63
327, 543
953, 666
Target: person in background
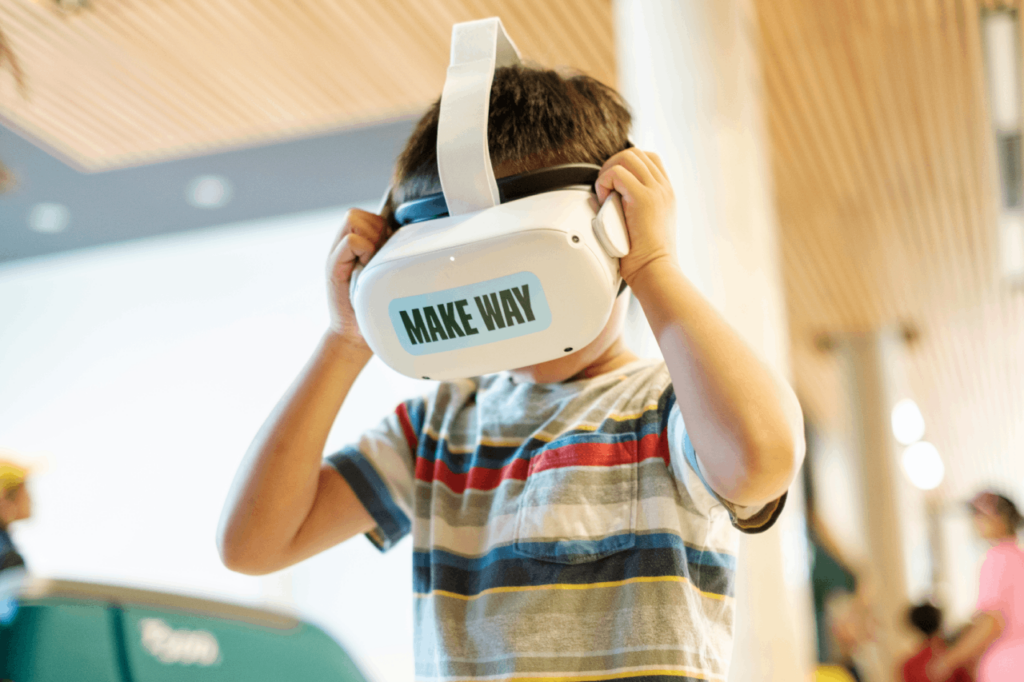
997, 632
850, 627
15, 505
927, 620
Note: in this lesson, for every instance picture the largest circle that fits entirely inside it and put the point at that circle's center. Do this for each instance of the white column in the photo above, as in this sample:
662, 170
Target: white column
895, 515
690, 72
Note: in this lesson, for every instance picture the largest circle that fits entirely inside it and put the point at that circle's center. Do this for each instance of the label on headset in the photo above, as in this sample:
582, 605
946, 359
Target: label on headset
471, 315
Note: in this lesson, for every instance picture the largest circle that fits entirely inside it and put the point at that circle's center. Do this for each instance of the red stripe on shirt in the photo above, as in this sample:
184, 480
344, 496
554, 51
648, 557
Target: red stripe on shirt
576, 454
410, 433
478, 478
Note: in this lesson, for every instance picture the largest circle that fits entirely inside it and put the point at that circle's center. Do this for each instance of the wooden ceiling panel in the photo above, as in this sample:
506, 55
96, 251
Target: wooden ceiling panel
126, 82
883, 163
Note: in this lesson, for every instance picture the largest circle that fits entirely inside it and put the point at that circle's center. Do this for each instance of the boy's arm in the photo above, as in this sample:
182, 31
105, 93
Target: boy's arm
743, 419
284, 504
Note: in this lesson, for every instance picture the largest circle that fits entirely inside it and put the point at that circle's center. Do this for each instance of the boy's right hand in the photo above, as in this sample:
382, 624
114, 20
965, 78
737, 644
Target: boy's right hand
360, 237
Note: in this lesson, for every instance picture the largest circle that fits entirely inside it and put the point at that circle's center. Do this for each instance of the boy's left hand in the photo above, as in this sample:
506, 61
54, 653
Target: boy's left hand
648, 204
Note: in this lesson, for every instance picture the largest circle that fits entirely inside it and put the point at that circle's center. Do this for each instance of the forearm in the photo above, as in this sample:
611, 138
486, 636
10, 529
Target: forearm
985, 629
276, 484
743, 420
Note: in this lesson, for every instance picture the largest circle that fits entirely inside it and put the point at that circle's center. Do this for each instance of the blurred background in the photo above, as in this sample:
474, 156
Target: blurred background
851, 196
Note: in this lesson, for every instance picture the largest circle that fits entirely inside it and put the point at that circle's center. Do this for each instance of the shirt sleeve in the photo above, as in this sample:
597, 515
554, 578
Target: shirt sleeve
380, 468
993, 585
686, 467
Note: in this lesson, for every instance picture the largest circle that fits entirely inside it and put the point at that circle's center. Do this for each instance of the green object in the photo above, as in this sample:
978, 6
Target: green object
828, 575
53, 631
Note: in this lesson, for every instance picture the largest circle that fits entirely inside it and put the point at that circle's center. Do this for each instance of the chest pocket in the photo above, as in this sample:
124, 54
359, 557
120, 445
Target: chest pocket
579, 503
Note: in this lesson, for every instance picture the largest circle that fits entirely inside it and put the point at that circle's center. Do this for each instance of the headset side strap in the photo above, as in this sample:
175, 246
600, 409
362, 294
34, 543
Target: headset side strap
463, 156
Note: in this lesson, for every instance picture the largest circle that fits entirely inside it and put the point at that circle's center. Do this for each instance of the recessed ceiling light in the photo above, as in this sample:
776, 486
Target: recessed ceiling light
907, 422
923, 465
208, 191
49, 217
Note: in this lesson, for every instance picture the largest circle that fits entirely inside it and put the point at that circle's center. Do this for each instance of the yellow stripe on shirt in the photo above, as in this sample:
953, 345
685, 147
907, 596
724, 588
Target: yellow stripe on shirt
622, 674
572, 586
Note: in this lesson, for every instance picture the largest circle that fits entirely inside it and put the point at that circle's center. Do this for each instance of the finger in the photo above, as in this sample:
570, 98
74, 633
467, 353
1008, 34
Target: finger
621, 180
631, 160
657, 167
646, 158
358, 221
351, 248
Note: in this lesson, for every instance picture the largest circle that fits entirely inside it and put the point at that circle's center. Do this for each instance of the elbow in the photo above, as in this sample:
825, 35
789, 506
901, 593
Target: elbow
238, 562
782, 452
771, 463
246, 564
773, 453
240, 557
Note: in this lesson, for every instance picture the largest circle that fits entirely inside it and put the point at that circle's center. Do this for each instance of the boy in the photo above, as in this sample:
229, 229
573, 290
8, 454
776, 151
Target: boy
574, 519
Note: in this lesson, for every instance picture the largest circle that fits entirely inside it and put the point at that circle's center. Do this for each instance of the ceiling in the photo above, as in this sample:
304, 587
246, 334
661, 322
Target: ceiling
881, 151
126, 82
884, 170
306, 174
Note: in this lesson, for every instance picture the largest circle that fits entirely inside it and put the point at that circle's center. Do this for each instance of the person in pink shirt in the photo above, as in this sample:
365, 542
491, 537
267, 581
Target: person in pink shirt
997, 632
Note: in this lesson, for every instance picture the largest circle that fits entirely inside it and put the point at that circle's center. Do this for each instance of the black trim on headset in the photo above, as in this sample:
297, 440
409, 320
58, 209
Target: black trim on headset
433, 206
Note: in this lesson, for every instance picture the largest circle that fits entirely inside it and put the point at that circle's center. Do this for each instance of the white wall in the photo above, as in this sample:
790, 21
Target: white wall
138, 374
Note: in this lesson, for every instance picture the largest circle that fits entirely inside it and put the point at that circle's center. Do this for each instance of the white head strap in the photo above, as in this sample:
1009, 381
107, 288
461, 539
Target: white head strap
463, 156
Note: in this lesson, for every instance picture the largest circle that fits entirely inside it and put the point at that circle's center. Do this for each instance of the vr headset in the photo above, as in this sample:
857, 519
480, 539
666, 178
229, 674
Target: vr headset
488, 275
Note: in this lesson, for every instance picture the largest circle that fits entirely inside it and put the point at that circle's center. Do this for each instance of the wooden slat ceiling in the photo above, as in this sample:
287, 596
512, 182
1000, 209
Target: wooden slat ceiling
884, 169
125, 82
877, 117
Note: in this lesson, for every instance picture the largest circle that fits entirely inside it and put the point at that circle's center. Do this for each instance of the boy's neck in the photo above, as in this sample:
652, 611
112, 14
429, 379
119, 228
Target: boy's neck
617, 355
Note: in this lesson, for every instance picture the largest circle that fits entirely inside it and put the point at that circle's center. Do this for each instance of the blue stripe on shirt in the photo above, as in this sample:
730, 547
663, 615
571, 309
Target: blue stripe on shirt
643, 541
443, 572
370, 490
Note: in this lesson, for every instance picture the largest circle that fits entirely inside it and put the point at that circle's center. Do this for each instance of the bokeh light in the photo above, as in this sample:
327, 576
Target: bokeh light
923, 465
907, 422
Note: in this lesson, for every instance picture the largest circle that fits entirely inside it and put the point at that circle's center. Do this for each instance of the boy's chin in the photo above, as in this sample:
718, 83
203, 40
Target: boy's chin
551, 372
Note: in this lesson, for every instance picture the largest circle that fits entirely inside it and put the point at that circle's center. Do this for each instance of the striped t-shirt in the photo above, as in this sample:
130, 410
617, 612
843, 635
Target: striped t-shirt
560, 531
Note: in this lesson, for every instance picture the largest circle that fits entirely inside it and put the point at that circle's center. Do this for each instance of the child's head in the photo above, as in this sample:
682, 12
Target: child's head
538, 118
926, 619
15, 503
995, 516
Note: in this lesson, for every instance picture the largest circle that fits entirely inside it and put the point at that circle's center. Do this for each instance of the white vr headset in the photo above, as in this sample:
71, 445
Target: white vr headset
490, 275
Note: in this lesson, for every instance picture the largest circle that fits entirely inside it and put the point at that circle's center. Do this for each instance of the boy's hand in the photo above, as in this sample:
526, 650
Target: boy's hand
649, 206
360, 237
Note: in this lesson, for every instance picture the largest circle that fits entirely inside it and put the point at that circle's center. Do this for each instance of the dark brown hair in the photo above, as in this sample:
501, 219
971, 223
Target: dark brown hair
1008, 510
925, 617
538, 118
1001, 505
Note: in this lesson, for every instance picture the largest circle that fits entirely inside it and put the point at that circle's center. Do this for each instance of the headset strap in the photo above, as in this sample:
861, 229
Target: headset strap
463, 155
